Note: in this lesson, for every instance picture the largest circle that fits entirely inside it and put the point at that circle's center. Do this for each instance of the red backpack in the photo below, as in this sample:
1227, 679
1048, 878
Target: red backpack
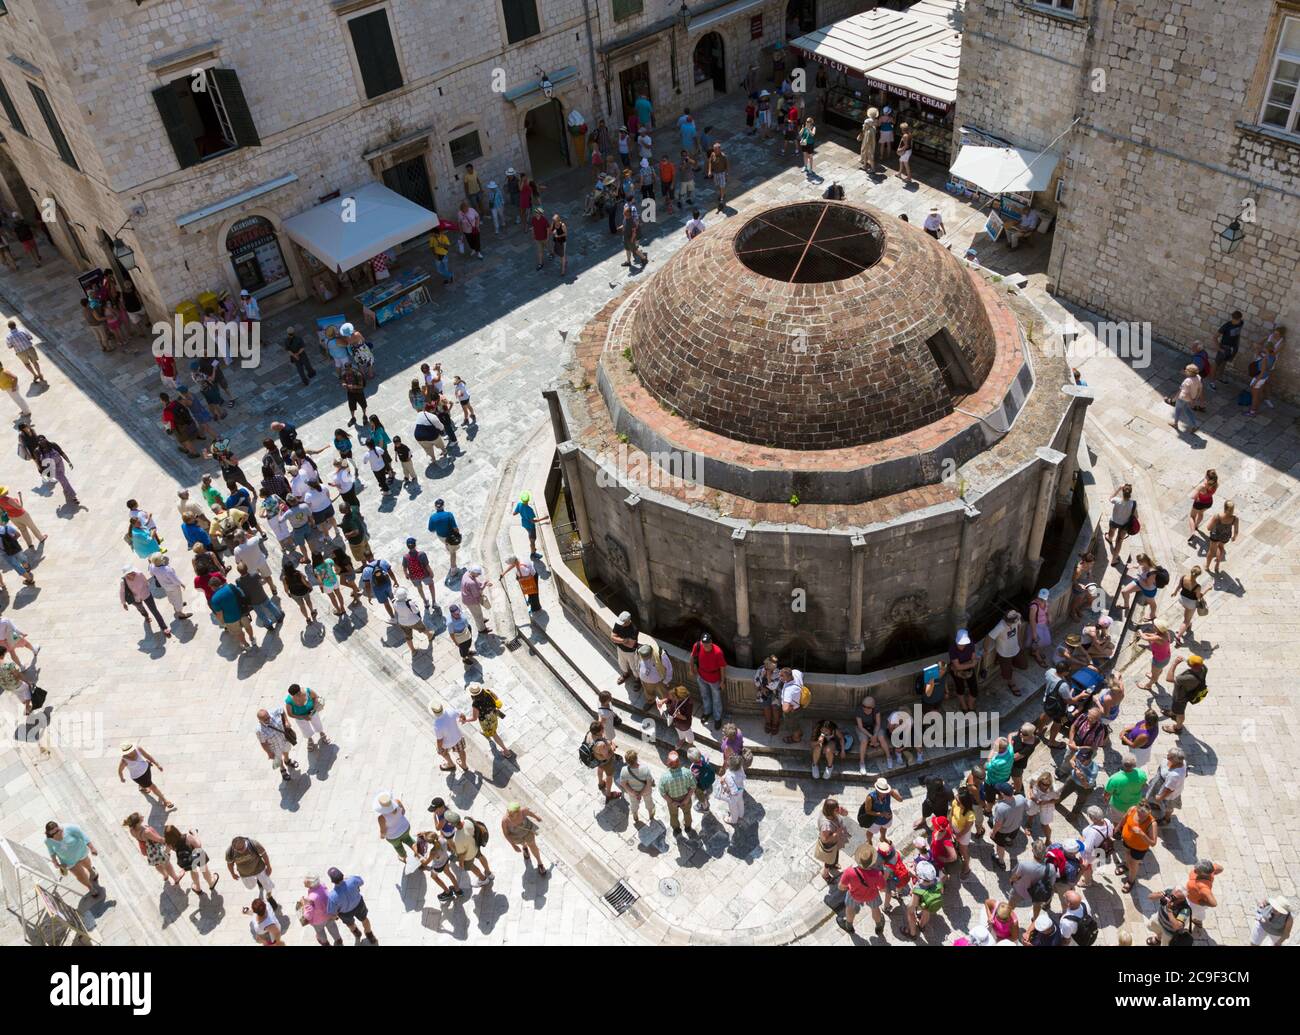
1056, 858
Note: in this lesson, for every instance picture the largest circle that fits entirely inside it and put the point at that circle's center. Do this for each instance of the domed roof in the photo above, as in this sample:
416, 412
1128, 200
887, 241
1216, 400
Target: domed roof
814, 325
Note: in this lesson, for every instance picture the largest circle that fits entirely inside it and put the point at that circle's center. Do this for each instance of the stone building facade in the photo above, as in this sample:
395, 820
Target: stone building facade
1187, 120
191, 129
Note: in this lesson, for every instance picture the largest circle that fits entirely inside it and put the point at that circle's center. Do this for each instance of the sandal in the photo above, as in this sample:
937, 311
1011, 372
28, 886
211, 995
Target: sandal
1126, 886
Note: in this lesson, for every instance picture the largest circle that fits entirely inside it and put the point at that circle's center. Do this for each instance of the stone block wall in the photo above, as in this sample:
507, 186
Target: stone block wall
1168, 151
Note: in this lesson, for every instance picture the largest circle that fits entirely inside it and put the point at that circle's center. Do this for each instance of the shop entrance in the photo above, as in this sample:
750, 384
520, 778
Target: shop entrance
255, 254
632, 83
800, 17
548, 150
710, 62
61, 220
410, 179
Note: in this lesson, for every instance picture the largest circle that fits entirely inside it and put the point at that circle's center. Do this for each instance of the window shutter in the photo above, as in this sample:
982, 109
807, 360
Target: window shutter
52, 124
182, 140
372, 39
232, 96
521, 19
7, 103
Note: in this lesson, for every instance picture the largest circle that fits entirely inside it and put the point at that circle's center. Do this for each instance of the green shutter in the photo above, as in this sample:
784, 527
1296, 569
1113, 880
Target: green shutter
7, 103
226, 81
178, 131
521, 19
52, 124
372, 40
627, 8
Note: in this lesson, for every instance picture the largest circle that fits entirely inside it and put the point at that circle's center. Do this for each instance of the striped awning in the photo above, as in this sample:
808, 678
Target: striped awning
859, 43
927, 75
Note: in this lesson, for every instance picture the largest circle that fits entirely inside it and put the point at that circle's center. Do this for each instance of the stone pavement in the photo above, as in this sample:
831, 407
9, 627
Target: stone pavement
191, 701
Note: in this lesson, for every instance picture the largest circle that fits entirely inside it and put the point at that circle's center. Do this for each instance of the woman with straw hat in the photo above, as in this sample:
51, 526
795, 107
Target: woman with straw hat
519, 826
138, 763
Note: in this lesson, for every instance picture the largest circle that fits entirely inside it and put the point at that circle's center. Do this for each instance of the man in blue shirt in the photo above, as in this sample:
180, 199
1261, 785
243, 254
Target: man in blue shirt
686, 126
443, 524
345, 900
529, 519
644, 110
228, 603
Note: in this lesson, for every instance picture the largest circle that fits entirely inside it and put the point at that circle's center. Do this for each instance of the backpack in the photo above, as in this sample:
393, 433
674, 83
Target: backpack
898, 874
587, 754
1053, 703
1056, 859
1043, 888
805, 696
378, 577
1162, 576
480, 833
1085, 933
1198, 695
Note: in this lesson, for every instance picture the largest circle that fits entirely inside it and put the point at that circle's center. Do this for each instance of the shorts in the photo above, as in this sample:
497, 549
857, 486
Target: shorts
234, 627
262, 880
1045, 813
1005, 665
145, 779
965, 685
1136, 854
964, 839
881, 824
686, 736
198, 859
301, 534
1149, 594
1202, 505
383, 594
1154, 926
360, 913
886, 136
1199, 911
806, 148
720, 180
320, 517
987, 793
558, 248
1005, 838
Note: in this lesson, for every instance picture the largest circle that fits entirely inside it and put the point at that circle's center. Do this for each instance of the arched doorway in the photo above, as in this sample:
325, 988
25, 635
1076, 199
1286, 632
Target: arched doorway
710, 62
80, 257
545, 140
254, 250
800, 17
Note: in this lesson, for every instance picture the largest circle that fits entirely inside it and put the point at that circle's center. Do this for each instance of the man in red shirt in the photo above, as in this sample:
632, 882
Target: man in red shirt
708, 663
541, 230
862, 884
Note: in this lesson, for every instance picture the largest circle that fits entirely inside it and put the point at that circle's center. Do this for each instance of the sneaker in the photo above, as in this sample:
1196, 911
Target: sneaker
815, 773
446, 896
862, 769
826, 773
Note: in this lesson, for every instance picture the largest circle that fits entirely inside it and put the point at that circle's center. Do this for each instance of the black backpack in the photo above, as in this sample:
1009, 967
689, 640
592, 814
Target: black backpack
834, 193
378, 577
480, 833
1053, 703
587, 754
1085, 933
1043, 888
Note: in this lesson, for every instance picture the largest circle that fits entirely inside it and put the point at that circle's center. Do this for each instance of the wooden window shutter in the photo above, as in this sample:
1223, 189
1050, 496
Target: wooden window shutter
178, 132
11, 111
372, 39
232, 97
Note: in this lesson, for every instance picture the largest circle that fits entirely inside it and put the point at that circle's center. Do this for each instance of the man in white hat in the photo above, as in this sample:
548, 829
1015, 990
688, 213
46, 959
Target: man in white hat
1273, 922
625, 639
446, 728
934, 223
394, 827
473, 589
963, 667
410, 619
251, 315
496, 202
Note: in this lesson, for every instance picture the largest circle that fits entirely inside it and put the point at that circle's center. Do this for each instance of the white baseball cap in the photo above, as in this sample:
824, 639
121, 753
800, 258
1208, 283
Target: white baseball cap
963, 637
347, 330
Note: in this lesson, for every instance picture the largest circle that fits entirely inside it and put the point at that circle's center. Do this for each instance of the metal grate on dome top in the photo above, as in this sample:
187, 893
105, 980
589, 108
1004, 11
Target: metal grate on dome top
810, 243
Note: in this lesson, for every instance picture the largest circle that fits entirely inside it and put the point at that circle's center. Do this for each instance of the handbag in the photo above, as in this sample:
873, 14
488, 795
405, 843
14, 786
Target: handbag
38, 697
1202, 608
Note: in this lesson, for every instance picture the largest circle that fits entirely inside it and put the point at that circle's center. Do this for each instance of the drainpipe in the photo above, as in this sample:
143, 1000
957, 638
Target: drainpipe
591, 57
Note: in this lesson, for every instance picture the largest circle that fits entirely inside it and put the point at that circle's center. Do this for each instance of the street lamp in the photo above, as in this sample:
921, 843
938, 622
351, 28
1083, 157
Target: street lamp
124, 254
1231, 236
548, 87
684, 16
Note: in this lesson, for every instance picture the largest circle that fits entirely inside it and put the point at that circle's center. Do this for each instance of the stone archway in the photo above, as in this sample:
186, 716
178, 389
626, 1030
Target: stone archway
545, 139
709, 62
255, 254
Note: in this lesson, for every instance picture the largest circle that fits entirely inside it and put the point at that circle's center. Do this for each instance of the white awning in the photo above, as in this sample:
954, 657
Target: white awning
1005, 169
866, 41
380, 219
928, 74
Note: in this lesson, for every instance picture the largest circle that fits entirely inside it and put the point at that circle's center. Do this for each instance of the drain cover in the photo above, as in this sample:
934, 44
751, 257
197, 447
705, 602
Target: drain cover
620, 897
669, 887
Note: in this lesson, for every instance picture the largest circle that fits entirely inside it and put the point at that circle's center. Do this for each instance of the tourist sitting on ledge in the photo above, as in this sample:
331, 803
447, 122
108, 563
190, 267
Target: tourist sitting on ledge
1096, 639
